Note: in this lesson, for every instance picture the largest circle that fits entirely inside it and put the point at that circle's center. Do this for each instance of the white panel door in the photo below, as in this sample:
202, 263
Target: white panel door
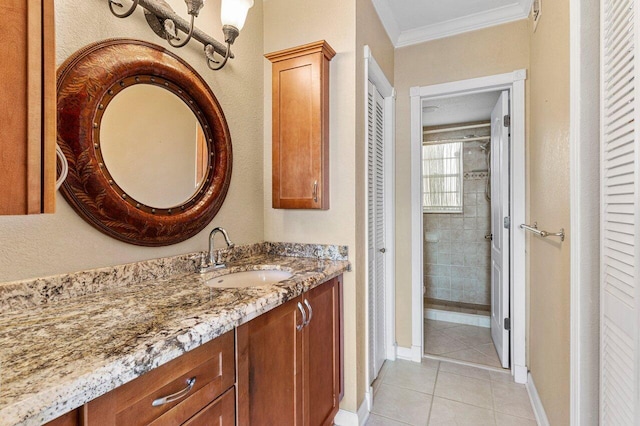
376, 230
620, 216
500, 234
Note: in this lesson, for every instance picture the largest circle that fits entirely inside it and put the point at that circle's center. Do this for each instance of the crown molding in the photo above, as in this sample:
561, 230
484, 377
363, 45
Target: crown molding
465, 24
388, 20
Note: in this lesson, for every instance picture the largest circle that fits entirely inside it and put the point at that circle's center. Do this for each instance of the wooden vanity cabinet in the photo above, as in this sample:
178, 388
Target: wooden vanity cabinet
288, 370
300, 126
27, 108
213, 367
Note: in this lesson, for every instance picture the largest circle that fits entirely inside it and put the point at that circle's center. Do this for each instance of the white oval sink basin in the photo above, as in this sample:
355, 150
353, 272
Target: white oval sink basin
248, 279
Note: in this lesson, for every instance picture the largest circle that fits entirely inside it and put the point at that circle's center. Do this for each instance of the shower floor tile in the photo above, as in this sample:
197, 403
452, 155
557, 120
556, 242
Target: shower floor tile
460, 342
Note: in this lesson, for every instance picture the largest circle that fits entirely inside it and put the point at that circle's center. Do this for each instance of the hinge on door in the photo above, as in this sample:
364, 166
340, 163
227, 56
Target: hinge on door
507, 222
507, 323
507, 121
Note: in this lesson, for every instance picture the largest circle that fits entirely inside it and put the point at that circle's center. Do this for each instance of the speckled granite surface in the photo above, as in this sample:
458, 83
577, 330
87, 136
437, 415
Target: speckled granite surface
66, 340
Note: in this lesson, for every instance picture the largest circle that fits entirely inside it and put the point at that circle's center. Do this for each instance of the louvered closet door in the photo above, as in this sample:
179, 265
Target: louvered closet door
620, 320
376, 226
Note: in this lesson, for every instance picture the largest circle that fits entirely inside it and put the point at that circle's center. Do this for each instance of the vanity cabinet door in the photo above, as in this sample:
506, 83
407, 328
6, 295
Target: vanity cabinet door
289, 371
270, 368
300, 126
322, 354
27, 108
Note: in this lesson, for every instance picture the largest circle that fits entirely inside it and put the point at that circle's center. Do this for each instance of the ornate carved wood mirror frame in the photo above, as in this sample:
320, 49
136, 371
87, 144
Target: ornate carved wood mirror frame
87, 81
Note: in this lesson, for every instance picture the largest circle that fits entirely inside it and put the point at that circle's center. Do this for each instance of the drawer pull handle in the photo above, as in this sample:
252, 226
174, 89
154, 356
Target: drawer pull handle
304, 317
306, 302
315, 191
176, 396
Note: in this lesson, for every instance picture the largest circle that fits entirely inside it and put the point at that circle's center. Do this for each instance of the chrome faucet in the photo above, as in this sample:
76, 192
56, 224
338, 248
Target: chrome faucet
212, 263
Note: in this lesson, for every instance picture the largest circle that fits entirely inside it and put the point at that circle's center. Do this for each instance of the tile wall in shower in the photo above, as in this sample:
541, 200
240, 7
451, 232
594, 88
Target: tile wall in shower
457, 264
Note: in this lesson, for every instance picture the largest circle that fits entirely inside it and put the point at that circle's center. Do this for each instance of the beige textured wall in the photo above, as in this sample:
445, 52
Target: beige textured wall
289, 23
549, 206
490, 51
63, 242
369, 31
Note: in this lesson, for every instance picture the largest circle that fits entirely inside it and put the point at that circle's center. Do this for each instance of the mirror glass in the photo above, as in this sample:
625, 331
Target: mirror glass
153, 146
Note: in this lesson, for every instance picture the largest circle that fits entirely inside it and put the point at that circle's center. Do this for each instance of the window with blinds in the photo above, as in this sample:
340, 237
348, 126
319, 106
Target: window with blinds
442, 178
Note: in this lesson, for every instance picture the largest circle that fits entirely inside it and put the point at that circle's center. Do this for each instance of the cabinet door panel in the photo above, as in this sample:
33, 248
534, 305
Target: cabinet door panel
27, 108
270, 368
322, 350
297, 153
300, 127
221, 412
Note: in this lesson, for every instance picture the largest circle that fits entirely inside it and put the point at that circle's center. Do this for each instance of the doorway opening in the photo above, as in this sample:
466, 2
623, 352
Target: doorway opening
459, 191
468, 195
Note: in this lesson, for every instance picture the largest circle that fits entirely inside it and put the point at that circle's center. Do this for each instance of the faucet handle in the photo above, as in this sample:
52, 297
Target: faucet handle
203, 261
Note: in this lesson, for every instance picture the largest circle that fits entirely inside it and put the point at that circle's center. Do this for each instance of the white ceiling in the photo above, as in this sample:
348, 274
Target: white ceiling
460, 109
415, 21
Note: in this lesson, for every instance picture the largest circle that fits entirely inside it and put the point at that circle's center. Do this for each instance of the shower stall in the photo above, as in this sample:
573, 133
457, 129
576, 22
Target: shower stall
457, 221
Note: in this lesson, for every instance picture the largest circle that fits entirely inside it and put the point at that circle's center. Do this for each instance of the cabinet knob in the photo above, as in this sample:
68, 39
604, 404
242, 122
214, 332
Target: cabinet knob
383, 250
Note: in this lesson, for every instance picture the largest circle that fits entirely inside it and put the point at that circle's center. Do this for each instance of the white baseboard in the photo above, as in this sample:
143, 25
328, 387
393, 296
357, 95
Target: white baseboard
536, 403
521, 374
349, 418
413, 353
392, 352
458, 317
368, 397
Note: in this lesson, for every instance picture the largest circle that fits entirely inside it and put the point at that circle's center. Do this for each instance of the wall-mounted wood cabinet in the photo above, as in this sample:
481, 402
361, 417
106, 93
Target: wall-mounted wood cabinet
27, 107
300, 87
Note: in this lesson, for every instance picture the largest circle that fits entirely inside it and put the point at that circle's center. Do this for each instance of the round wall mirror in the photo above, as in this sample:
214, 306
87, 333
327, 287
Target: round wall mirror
148, 145
153, 146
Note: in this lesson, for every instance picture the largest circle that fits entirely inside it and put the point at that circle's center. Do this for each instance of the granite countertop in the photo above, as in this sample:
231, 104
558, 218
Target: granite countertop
68, 339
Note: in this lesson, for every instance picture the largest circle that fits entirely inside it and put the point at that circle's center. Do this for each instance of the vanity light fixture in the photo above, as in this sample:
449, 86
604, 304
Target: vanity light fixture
166, 23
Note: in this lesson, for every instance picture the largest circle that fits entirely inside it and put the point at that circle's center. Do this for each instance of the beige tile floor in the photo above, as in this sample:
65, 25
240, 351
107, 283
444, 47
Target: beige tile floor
460, 342
444, 393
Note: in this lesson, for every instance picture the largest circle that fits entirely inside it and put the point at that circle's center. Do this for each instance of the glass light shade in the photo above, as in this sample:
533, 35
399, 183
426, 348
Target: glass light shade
234, 12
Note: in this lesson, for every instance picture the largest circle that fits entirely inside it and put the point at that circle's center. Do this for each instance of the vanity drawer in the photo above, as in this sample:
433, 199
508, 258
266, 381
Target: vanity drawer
213, 367
223, 410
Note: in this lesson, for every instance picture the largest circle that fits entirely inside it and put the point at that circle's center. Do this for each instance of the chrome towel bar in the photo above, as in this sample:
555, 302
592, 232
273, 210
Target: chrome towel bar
543, 234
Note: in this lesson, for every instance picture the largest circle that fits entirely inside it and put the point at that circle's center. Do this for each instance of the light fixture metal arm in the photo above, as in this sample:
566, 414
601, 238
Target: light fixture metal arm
185, 41
210, 58
157, 8
125, 14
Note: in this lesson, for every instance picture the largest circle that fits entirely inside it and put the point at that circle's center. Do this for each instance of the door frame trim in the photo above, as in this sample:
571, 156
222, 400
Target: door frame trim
585, 209
514, 82
373, 72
